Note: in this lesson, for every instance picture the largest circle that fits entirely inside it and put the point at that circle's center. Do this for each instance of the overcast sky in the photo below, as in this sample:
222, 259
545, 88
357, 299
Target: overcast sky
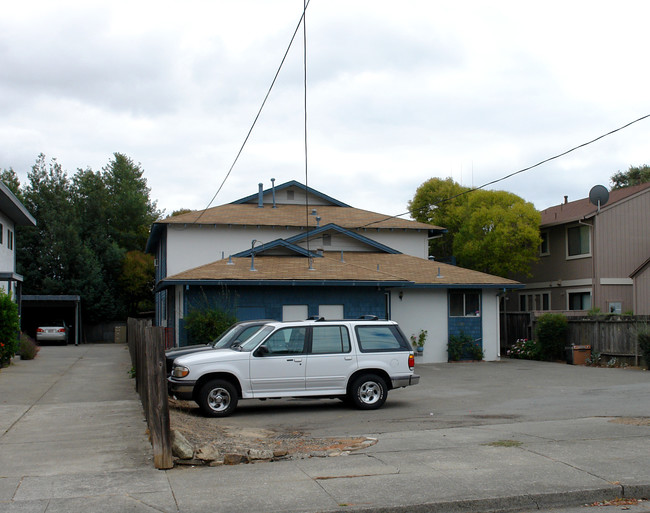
397, 93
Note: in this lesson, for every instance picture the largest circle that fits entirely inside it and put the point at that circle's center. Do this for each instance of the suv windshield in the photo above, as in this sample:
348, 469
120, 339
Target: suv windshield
236, 334
252, 342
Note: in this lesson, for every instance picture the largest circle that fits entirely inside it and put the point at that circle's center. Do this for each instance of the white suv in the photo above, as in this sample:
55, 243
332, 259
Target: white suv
355, 360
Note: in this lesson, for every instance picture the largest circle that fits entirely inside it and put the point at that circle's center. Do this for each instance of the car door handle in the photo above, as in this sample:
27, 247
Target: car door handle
347, 358
299, 360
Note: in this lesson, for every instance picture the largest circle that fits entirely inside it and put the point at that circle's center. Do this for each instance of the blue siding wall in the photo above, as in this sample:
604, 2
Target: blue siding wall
471, 326
266, 302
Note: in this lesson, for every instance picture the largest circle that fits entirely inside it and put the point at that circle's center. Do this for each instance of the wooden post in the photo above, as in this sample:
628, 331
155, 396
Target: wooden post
157, 405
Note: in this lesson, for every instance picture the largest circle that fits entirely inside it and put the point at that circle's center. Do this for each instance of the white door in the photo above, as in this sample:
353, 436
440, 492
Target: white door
330, 360
280, 367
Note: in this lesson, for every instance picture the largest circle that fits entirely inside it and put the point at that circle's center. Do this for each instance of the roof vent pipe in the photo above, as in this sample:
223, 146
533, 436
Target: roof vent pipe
273, 189
260, 195
566, 199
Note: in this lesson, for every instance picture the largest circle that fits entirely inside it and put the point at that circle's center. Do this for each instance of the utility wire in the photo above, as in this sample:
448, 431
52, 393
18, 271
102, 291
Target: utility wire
511, 174
259, 112
304, 65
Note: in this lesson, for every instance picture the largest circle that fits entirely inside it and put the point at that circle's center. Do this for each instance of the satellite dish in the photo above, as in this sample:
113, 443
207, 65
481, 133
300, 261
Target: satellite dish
599, 195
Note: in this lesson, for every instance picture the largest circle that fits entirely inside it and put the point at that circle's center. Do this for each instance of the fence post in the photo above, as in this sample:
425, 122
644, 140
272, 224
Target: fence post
157, 405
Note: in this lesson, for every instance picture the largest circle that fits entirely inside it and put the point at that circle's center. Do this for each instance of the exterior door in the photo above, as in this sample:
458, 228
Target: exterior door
280, 367
330, 359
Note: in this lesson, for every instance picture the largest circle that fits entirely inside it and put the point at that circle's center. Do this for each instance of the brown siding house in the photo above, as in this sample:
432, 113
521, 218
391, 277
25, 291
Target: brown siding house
591, 258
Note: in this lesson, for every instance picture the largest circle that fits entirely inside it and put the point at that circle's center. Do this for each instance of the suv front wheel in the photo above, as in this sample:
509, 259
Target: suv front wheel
368, 392
218, 398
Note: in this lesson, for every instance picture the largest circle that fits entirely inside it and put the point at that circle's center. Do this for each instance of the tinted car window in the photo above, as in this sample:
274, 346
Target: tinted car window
330, 339
380, 338
286, 341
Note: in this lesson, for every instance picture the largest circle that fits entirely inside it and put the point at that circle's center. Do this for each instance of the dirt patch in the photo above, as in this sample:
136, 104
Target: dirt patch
202, 431
632, 421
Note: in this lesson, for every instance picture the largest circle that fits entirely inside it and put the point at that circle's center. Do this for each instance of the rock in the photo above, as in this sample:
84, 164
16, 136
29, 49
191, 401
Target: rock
181, 448
208, 452
260, 454
234, 459
280, 453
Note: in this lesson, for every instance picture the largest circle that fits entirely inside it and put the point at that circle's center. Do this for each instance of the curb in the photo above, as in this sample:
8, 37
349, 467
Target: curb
514, 503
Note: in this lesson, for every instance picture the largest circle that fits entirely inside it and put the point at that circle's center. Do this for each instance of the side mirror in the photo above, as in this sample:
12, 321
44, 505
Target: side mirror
262, 351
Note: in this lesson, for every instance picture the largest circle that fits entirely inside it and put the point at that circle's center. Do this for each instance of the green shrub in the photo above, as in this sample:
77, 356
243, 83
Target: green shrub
551, 335
204, 325
463, 346
28, 348
644, 345
476, 351
524, 349
9, 327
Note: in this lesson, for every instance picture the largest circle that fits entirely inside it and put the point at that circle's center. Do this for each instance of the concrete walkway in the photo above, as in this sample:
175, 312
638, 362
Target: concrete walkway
73, 438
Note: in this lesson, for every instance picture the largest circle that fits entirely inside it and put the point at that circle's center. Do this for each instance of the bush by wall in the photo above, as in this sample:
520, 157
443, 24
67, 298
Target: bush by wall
463, 346
204, 325
9, 328
524, 349
551, 333
28, 348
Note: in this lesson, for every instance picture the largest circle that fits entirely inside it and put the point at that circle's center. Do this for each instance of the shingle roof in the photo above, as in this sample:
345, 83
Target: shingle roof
294, 215
580, 209
385, 269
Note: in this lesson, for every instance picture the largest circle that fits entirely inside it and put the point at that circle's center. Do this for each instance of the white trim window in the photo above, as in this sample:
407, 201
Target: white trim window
534, 302
465, 303
579, 299
578, 241
545, 247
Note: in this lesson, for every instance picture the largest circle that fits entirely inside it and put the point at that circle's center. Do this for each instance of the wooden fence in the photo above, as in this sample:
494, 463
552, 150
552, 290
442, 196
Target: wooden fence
147, 348
614, 336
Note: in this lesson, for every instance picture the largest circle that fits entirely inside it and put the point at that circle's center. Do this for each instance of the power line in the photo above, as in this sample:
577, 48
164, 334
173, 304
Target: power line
512, 174
259, 112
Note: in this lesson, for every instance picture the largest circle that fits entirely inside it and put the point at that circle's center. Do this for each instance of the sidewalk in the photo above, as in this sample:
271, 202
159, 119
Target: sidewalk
73, 438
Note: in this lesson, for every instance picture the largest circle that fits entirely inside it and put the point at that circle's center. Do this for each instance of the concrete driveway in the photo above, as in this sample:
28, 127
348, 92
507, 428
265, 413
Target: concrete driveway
503, 436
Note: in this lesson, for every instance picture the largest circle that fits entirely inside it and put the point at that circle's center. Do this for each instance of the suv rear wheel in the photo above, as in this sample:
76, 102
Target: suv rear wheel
218, 398
368, 392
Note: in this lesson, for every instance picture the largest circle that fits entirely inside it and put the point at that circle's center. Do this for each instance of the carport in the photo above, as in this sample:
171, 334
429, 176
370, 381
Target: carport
37, 309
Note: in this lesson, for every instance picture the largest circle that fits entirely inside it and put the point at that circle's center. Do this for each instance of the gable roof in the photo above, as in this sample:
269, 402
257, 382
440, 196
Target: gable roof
254, 198
276, 247
343, 269
13, 208
331, 227
247, 214
583, 208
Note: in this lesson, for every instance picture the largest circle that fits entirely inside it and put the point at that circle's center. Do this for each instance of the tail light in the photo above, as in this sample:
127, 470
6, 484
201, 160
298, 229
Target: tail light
39, 330
61, 330
411, 361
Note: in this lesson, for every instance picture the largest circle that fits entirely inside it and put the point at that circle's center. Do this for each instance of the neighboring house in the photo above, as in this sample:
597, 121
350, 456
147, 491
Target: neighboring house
641, 289
291, 252
592, 259
12, 213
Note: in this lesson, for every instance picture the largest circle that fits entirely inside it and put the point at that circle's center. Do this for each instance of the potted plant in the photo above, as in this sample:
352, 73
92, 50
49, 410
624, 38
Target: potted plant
418, 341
